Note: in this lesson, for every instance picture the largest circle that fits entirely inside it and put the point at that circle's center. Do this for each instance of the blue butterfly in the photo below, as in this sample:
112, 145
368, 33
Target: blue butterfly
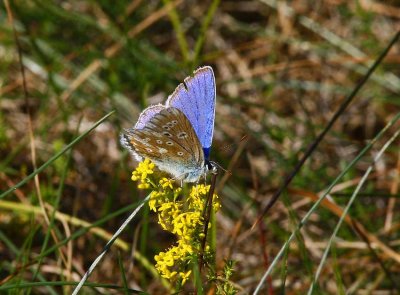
177, 136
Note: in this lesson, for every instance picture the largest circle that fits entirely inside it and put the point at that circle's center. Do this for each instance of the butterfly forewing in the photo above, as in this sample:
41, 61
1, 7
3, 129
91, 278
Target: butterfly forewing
196, 99
170, 141
147, 114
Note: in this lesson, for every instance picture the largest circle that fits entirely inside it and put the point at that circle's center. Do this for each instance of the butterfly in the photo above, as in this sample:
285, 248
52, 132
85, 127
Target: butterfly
177, 136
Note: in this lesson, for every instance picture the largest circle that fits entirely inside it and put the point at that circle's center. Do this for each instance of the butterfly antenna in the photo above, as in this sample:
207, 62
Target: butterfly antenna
220, 167
244, 137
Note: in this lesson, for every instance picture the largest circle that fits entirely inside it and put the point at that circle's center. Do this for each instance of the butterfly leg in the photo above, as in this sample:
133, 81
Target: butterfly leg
181, 178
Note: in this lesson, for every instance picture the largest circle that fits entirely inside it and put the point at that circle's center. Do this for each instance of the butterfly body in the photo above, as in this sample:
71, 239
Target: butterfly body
177, 136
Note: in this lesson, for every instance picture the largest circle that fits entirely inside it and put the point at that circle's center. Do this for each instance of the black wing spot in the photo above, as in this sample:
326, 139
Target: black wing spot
186, 86
172, 123
167, 134
182, 135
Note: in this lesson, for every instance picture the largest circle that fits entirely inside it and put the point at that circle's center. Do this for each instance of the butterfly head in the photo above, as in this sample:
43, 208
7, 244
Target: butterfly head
211, 167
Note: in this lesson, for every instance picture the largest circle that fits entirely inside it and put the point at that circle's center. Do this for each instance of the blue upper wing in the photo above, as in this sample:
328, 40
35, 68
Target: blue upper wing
195, 97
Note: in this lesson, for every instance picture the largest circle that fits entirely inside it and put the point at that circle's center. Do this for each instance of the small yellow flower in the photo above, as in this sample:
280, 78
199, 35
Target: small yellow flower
143, 185
185, 276
216, 203
185, 247
166, 183
169, 275
169, 260
153, 201
144, 169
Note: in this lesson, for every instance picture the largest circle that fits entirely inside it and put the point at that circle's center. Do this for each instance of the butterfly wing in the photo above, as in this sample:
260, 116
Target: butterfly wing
144, 117
169, 140
196, 99
147, 114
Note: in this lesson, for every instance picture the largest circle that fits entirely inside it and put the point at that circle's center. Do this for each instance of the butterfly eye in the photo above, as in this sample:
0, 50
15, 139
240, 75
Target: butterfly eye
179, 153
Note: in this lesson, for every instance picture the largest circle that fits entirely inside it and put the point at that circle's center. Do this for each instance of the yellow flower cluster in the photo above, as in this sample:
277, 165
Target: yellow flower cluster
180, 216
197, 195
168, 262
144, 169
184, 219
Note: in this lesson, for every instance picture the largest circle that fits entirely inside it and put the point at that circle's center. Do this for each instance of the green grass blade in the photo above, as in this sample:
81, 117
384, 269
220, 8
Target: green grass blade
346, 210
316, 204
55, 157
180, 34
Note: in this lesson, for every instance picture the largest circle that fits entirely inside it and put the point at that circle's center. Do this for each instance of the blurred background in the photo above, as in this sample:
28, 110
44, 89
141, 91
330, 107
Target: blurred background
283, 68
